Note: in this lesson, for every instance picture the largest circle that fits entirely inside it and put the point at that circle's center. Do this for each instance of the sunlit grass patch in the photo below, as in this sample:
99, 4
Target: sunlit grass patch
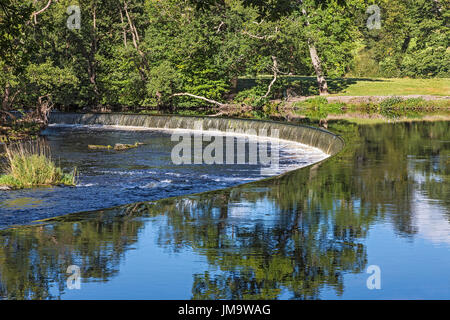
398, 87
307, 86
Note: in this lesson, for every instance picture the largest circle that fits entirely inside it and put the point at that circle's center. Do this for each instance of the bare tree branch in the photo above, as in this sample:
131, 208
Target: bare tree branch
34, 14
265, 37
9, 114
275, 76
317, 63
130, 23
258, 37
135, 38
220, 26
124, 31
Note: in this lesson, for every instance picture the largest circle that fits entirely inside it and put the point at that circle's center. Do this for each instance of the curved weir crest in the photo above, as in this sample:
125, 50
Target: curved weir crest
146, 173
324, 140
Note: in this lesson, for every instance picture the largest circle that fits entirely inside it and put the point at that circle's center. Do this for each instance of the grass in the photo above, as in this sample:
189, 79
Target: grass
30, 165
363, 119
318, 108
398, 87
307, 86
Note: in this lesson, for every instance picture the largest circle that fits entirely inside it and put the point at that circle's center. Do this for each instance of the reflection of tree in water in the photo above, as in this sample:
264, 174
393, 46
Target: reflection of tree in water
433, 145
290, 236
297, 250
33, 259
323, 211
395, 155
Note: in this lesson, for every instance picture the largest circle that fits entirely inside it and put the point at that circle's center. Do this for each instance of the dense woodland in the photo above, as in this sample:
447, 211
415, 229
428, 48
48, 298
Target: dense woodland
165, 54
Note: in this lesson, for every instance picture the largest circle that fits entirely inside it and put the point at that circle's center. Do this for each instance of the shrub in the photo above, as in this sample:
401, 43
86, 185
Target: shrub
252, 97
391, 102
270, 108
318, 107
396, 107
414, 103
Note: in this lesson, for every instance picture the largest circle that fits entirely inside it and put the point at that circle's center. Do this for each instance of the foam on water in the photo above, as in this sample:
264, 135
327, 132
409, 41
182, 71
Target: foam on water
109, 178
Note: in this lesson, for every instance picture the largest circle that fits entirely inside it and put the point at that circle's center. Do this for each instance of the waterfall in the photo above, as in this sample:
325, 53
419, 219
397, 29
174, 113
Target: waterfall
315, 137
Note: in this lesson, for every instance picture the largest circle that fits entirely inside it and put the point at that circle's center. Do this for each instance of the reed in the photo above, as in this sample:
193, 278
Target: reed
30, 164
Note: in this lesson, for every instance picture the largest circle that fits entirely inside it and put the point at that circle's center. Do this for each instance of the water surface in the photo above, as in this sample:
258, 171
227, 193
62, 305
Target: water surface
309, 234
110, 178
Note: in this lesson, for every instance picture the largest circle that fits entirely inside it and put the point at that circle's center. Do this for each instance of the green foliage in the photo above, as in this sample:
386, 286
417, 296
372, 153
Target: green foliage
364, 64
318, 108
45, 78
413, 40
415, 103
271, 108
395, 107
390, 102
252, 97
14, 15
18, 130
163, 81
139, 53
120, 81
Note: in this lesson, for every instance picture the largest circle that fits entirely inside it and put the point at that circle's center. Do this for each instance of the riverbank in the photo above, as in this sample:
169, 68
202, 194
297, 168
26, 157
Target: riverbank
354, 86
370, 109
318, 111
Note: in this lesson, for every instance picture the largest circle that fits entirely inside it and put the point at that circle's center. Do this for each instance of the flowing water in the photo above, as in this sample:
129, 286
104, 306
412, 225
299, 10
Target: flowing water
383, 203
110, 178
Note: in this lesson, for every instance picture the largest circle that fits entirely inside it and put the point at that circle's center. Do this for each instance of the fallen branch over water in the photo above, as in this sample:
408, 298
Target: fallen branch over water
199, 97
225, 109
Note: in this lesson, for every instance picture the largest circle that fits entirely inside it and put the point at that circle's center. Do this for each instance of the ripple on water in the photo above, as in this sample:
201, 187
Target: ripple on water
108, 178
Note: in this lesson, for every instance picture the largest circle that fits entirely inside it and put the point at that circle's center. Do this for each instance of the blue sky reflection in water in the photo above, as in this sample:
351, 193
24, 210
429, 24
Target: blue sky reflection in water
310, 234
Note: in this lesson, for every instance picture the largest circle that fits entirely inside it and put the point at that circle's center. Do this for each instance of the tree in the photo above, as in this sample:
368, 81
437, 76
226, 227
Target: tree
413, 40
14, 17
311, 11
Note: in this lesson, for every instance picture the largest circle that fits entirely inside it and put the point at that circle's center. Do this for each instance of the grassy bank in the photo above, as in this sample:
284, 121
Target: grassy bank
307, 86
397, 87
30, 166
319, 110
392, 108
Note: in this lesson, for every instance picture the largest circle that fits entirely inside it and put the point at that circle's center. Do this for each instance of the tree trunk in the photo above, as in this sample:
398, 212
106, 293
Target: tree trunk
43, 109
136, 40
124, 31
317, 64
92, 63
5, 102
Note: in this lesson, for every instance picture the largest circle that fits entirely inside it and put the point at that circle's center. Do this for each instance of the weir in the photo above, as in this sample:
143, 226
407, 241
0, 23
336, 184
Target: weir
315, 137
